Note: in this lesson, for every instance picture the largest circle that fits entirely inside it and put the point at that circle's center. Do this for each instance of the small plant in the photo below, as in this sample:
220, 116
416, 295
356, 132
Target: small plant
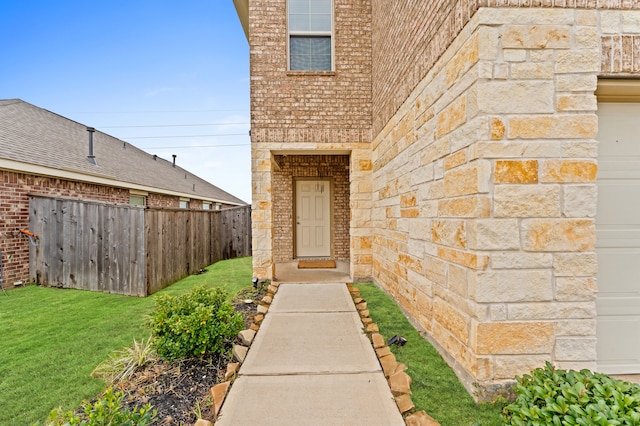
550, 396
106, 410
122, 364
193, 324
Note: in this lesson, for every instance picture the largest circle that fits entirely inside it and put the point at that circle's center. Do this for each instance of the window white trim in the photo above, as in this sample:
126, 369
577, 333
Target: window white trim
330, 34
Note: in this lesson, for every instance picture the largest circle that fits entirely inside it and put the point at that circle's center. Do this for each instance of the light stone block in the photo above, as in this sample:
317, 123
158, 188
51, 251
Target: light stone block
568, 171
585, 60
588, 37
519, 149
516, 97
587, 17
451, 233
514, 55
513, 286
575, 264
563, 235
457, 280
576, 327
501, 71
576, 83
504, 338
453, 320
580, 200
553, 127
536, 37
610, 21
509, 366
575, 349
532, 71
574, 289
494, 234
551, 311
580, 149
498, 312
527, 201
521, 260
488, 43
630, 21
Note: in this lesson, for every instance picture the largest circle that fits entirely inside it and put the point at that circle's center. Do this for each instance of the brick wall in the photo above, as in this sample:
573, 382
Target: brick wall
299, 112
14, 212
291, 167
310, 106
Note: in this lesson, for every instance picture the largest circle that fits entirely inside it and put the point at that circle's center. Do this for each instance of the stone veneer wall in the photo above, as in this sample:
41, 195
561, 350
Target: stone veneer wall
484, 191
295, 112
335, 167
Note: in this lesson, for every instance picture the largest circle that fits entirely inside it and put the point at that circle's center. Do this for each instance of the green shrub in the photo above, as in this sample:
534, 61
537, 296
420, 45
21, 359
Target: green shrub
193, 324
566, 397
122, 365
106, 410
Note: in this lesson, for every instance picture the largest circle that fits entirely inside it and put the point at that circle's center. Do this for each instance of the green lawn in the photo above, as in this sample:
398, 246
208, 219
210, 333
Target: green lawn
435, 387
52, 339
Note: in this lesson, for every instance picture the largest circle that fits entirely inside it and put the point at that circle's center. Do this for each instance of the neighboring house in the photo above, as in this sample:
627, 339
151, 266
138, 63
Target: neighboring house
46, 154
472, 151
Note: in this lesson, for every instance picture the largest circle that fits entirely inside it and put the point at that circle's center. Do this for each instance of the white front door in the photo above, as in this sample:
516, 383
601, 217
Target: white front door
313, 218
618, 238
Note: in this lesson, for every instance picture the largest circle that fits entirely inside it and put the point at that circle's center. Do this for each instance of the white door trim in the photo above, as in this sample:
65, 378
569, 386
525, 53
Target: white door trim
313, 220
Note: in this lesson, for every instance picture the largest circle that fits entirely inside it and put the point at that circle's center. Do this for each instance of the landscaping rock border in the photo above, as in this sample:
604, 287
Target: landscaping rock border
394, 371
245, 338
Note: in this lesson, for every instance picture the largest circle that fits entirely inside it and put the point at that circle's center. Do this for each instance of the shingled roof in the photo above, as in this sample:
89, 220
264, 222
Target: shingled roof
56, 145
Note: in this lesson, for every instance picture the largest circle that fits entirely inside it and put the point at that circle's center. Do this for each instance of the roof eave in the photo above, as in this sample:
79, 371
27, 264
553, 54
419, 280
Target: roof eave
242, 8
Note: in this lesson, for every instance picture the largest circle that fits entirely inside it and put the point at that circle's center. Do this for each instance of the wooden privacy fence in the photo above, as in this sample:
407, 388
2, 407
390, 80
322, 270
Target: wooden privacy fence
128, 249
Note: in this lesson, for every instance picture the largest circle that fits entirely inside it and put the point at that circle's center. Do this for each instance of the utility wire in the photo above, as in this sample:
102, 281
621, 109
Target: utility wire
156, 111
181, 136
171, 125
194, 146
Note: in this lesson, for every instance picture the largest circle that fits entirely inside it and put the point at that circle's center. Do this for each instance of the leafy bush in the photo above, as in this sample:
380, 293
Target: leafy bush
193, 324
566, 397
106, 410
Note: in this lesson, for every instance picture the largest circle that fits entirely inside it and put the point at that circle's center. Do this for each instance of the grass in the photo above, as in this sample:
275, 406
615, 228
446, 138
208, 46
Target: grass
52, 339
435, 387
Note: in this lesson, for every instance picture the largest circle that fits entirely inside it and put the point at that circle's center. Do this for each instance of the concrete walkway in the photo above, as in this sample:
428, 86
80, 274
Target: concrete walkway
310, 364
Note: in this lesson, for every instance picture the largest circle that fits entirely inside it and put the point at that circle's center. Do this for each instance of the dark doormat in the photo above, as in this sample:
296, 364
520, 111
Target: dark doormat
316, 264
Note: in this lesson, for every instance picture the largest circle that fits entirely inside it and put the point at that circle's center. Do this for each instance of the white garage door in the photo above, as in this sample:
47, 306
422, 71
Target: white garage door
618, 238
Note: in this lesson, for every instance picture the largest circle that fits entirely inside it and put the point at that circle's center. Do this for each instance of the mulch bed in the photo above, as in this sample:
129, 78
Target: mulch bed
180, 390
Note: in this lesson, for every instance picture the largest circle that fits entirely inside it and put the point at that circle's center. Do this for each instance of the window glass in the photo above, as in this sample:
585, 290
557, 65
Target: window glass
184, 204
310, 53
137, 200
310, 33
206, 206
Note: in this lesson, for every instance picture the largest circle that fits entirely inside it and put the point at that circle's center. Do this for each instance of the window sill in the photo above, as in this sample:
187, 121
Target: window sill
311, 73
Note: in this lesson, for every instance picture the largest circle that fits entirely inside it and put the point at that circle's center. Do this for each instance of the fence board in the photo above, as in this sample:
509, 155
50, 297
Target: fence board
126, 249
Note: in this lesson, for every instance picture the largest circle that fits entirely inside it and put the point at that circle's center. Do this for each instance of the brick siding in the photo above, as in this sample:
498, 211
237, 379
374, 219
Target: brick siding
14, 212
335, 167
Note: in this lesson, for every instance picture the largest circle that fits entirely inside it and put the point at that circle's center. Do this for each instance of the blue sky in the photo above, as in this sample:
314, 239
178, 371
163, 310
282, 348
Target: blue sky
127, 67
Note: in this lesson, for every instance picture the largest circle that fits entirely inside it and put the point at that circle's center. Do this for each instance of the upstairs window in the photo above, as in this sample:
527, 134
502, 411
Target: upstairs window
310, 35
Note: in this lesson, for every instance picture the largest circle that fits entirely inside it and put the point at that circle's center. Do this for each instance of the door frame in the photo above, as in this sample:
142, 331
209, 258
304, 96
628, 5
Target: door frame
294, 226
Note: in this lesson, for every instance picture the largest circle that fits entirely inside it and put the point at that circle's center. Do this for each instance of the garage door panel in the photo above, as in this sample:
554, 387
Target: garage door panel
620, 269
618, 238
614, 357
612, 195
